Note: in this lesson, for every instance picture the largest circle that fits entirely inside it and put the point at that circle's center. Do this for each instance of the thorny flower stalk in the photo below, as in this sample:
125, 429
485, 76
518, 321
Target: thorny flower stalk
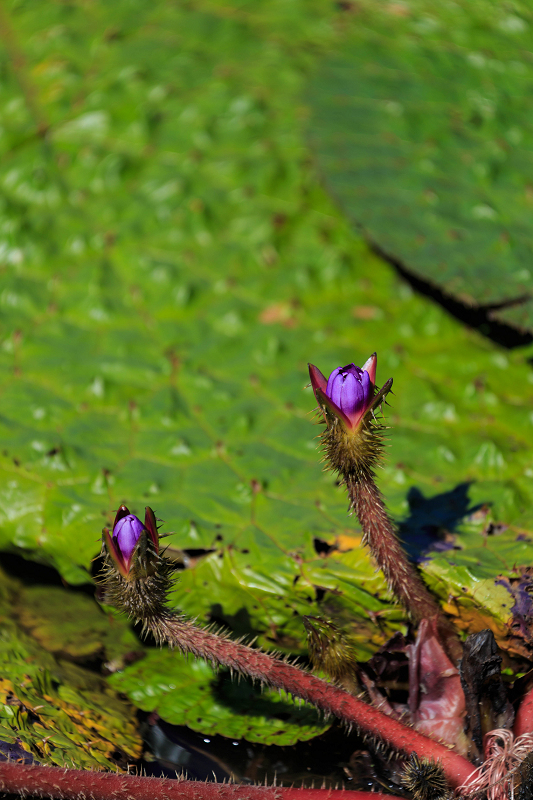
35, 780
143, 595
137, 579
353, 441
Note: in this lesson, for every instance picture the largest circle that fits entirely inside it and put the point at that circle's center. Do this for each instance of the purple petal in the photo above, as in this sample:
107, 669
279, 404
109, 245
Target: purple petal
331, 379
126, 534
352, 397
334, 387
366, 384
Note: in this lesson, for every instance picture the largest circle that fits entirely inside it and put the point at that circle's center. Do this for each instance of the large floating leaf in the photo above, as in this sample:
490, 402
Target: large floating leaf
73, 625
421, 120
170, 267
188, 692
60, 713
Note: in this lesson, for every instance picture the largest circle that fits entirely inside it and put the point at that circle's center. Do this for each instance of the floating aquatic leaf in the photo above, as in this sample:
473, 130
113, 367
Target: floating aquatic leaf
422, 132
72, 624
60, 713
187, 692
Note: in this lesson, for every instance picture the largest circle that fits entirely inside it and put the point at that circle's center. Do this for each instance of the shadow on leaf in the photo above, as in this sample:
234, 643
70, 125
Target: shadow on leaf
432, 521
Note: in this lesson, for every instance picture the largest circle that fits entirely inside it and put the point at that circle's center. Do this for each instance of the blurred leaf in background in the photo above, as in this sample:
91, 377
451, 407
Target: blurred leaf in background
422, 125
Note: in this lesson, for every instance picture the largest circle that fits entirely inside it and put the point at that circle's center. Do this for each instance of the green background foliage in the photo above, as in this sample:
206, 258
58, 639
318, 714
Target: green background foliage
170, 263
421, 120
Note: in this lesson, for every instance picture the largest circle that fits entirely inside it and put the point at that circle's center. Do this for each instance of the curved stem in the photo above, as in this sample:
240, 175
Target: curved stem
298, 683
400, 574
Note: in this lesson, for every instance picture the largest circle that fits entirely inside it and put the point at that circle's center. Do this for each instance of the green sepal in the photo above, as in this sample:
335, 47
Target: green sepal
145, 557
379, 398
331, 652
122, 512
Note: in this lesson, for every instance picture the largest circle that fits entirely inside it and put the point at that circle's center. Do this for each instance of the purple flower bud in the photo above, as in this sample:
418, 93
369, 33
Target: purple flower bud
123, 542
126, 534
349, 391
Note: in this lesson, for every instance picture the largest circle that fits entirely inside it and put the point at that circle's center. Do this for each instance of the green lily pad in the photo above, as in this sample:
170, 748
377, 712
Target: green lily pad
71, 624
59, 712
421, 124
188, 692
475, 581
252, 584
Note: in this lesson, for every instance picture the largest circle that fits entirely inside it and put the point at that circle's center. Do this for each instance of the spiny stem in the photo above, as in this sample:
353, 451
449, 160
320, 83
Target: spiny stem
279, 674
72, 784
400, 574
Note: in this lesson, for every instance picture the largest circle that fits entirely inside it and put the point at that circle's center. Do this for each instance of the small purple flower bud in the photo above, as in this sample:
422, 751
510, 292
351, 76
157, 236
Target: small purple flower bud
127, 545
349, 391
126, 534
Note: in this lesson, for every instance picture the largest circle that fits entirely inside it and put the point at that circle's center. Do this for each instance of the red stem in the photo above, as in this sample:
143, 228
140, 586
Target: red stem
298, 683
524, 716
74, 784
